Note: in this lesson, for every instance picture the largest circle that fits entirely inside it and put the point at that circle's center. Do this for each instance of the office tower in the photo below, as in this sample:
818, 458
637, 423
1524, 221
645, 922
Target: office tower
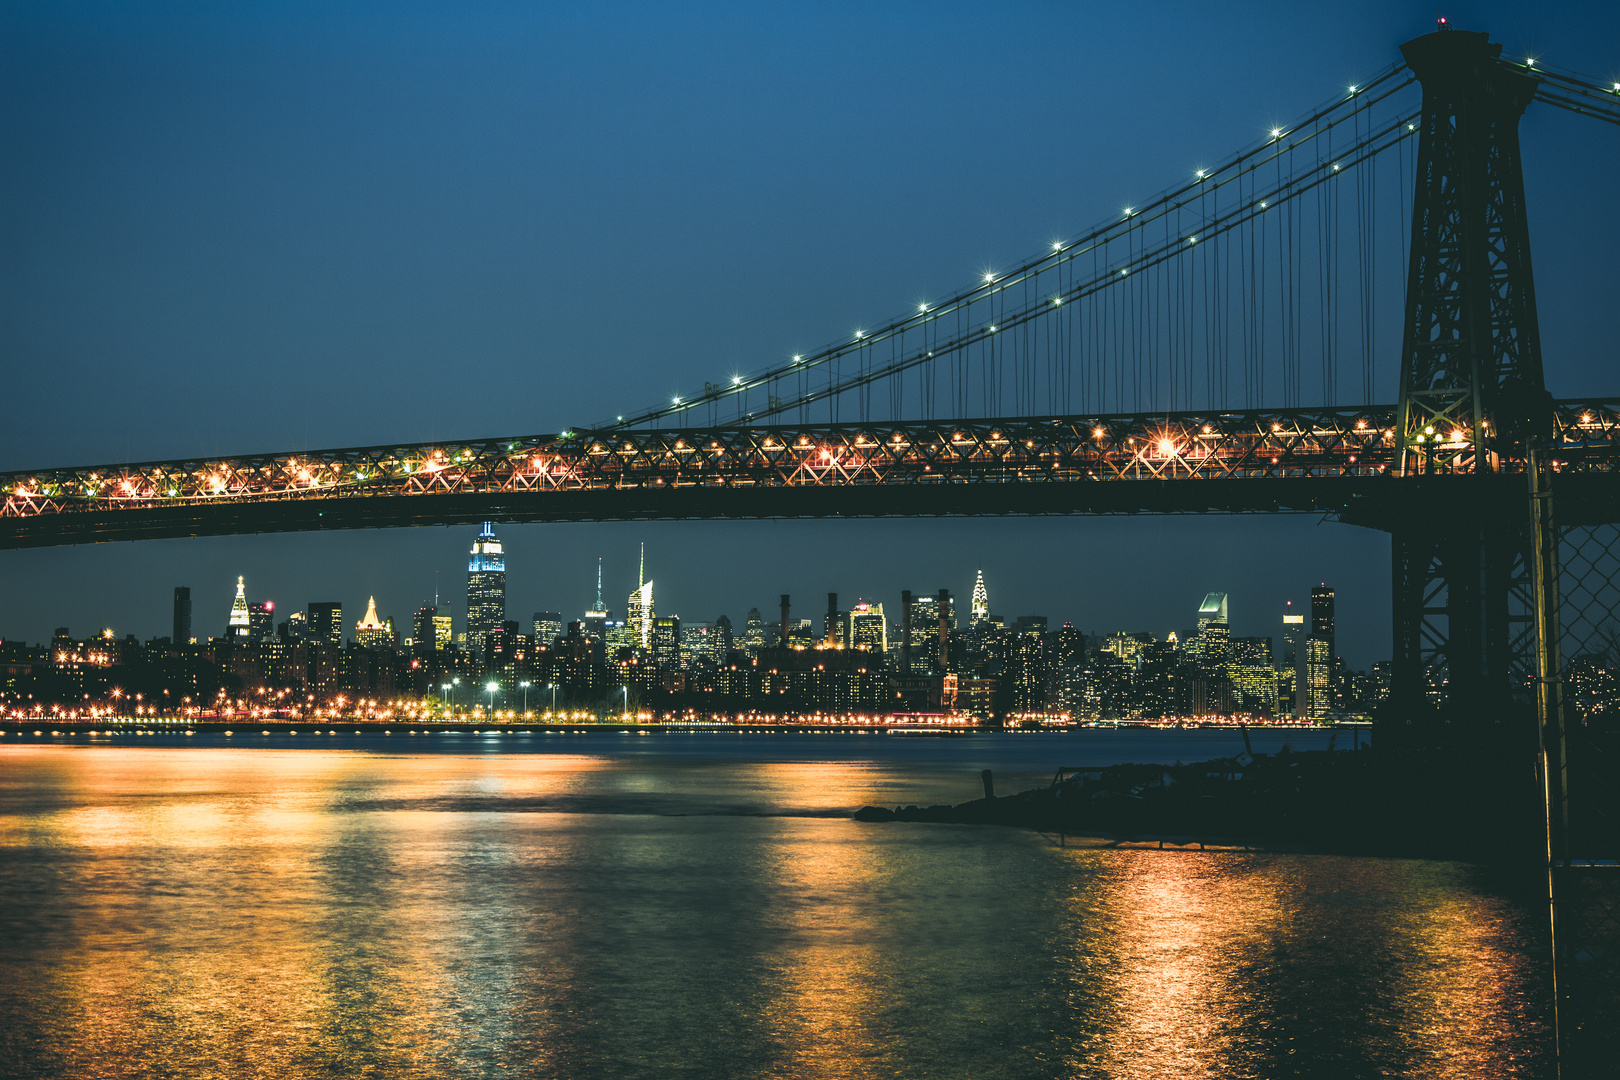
486, 589
1319, 651
665, 641
723, 643
754, 638
182, 616
1068, 665
639, 612
700, 644
1030, 624
443, 631
1213, 609
370, 632
297, 626
1291, 672
868, 629
1322, 615
1217, 639
262, 621
548, 626
980, 605
326, 623
1254, 679
1025, 673
1318, 677
423, 638
240, 626
832, 630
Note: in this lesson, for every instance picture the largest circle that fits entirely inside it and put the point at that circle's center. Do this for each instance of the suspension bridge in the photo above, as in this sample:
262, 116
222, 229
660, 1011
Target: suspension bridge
1214, 349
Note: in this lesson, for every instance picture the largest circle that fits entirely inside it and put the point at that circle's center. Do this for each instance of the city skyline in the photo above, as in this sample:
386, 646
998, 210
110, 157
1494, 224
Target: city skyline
243, 597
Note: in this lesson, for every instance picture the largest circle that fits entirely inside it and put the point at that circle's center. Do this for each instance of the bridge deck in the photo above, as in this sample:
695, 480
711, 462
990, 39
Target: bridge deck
1319, 460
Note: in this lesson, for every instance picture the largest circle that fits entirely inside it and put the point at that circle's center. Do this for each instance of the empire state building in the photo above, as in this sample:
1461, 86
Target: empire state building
486, 590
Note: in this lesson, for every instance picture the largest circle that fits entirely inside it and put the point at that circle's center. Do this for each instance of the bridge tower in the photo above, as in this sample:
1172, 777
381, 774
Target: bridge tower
1472, 397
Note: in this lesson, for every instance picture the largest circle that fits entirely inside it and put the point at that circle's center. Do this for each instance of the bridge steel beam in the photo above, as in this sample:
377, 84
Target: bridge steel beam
1327, 461
1472, 399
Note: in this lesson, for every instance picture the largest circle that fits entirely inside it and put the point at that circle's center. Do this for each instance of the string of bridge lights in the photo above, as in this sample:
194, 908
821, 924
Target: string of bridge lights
1363, 96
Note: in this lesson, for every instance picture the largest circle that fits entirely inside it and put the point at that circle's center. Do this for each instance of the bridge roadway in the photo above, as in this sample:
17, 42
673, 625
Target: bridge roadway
1335, 461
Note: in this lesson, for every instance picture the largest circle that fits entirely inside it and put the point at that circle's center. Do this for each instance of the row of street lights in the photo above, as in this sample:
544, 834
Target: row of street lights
448, 693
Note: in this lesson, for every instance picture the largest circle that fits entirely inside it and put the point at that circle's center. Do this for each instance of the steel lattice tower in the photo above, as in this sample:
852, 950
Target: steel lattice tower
1472, 398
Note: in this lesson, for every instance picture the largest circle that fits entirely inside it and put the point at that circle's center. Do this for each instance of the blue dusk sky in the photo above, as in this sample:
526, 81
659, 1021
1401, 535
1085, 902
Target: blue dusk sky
242, 227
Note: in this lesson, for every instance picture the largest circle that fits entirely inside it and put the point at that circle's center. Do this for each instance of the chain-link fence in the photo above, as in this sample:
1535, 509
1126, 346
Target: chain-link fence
1584, 799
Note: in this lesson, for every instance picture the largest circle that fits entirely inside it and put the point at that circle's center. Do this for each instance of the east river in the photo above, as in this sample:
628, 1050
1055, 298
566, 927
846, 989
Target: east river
700, 905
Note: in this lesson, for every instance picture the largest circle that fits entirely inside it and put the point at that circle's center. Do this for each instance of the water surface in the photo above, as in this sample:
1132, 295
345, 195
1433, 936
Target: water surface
657, 909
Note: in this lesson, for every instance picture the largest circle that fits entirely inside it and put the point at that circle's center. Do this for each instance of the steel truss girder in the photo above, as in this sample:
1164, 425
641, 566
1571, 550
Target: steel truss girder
1312, 460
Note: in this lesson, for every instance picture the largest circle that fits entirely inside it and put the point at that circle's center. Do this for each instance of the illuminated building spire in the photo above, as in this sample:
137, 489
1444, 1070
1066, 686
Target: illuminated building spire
599, 583
240, 623
981, 601
639, 615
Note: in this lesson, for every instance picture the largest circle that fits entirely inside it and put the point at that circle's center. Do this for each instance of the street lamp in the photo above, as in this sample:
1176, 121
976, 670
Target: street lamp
525, 697
491, 687
626, 691
553, 688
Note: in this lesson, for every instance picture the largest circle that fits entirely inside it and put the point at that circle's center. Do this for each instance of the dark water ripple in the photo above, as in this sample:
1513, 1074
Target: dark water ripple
223, 912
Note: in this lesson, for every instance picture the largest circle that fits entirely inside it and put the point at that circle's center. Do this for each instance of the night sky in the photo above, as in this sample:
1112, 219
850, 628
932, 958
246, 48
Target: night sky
230, 228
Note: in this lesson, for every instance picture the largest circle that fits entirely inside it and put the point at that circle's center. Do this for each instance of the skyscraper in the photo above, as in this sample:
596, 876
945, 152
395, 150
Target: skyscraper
326, 623
596, 619
423, 639
1291, 676
548, 626
980, 605
240, 625
1322, 614
182, 615
262, 621
1319, 651
370, 632
639, 613
486, 590
868, 629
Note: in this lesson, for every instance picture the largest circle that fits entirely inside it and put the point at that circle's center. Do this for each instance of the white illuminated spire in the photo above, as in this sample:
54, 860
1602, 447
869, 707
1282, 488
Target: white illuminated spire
240, 624
981, 601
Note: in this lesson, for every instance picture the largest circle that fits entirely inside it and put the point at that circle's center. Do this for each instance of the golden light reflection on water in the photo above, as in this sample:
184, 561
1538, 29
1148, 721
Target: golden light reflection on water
302, 914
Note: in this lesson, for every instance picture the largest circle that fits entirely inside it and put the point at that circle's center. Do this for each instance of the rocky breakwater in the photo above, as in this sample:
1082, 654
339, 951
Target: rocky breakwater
1429, 803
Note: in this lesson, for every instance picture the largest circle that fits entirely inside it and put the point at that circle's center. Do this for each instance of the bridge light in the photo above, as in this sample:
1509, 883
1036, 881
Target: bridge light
988, 278
922, 307
859, 334
1276, 133
1127, 211
736, 380
1057, 245
1429, 430
1352, 89
797, 358
1097, 433
1192, 239
1586, 418
1167, 447
1057, 300
1530, 62
677, 401
1262, 205
1199, 174
1411, 127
